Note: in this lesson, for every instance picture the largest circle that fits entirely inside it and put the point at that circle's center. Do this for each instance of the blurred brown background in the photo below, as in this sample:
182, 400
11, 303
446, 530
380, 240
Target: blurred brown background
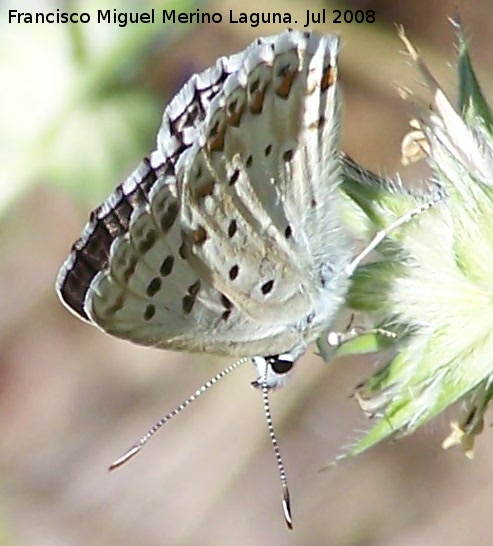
73, 399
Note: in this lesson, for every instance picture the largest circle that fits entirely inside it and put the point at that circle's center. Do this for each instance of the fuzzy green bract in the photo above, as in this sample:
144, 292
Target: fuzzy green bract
432, 281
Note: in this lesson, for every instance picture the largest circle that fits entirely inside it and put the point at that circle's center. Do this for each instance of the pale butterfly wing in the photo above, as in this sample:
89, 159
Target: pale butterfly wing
227, 239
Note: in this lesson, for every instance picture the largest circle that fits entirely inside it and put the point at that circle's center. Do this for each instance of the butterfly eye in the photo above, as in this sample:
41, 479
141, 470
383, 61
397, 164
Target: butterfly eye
281, 364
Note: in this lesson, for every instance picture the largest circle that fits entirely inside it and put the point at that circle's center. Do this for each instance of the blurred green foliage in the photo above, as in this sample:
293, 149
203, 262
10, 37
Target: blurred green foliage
75, 111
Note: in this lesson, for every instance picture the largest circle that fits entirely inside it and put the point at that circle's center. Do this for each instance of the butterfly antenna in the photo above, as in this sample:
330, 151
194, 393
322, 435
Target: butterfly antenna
286, 503
138, 446
381, 234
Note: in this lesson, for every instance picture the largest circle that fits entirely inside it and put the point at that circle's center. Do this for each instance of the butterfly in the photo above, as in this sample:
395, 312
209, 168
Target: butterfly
228, 238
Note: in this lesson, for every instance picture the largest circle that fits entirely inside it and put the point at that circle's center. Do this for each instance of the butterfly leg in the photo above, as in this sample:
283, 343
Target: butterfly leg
381, 234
